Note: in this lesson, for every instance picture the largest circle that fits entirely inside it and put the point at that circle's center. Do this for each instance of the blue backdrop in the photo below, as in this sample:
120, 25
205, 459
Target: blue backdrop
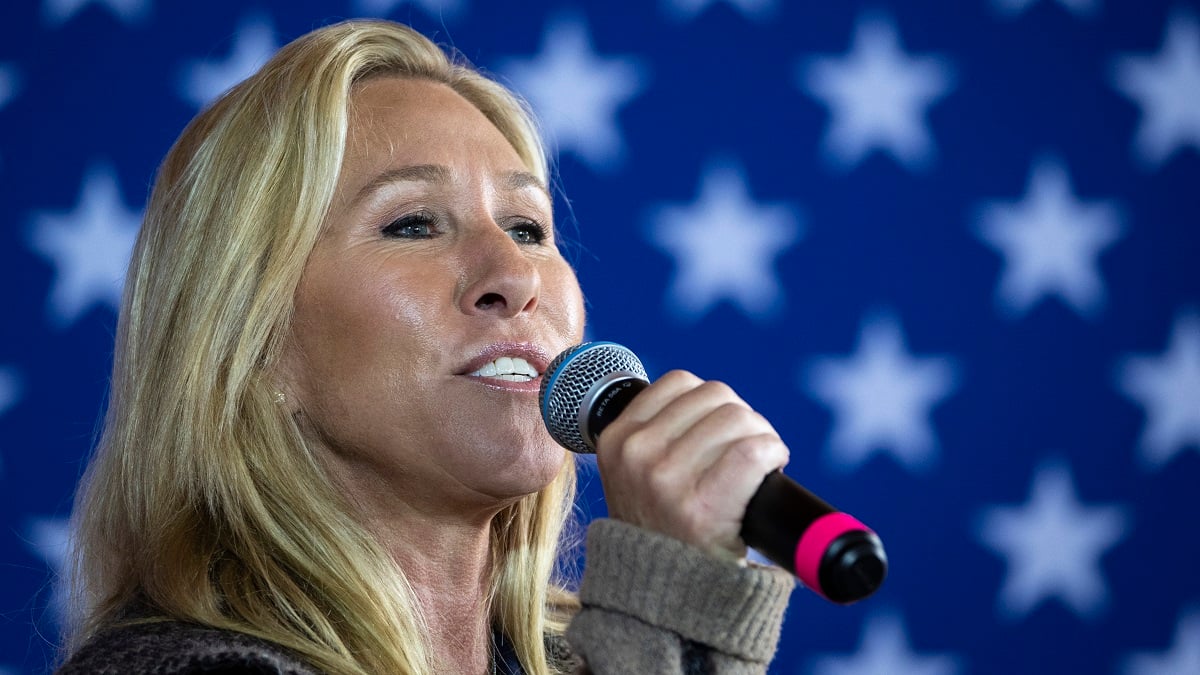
949, 248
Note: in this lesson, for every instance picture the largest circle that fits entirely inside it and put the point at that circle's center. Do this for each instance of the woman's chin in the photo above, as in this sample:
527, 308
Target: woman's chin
531, 470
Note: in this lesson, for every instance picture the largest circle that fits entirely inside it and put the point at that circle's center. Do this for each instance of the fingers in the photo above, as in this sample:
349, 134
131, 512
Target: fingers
716, 482
658, 395
667, 409
743, 467
685, 458
722, 430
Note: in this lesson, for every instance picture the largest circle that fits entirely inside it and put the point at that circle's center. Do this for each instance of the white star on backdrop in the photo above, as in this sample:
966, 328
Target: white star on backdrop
203, 80
1012, 8
89, 246
884, 650
1168, 388
576, 93
1182, 658
1050, 241
56, 12
686, 10
10, 83
881, 397
1167, 88
440, 9
50, 539
877, 97
1053, 545
724, 245
10, 391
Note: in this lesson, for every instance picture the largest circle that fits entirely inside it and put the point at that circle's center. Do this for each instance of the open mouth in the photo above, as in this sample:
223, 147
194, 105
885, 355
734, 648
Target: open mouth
509, 369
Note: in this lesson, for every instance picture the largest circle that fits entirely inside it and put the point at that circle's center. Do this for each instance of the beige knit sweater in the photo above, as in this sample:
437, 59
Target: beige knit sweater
651, 605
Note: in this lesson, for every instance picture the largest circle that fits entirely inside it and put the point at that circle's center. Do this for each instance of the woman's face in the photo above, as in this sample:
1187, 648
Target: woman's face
430, 306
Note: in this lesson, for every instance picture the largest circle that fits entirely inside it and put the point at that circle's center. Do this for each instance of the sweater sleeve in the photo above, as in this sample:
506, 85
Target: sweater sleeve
652, 604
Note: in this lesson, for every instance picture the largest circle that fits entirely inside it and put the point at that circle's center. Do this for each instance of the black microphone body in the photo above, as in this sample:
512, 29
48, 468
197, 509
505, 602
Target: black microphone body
587, 386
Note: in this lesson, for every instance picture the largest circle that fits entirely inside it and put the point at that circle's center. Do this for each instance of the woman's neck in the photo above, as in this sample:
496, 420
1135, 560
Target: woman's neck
449, 569
445, 552
447, 560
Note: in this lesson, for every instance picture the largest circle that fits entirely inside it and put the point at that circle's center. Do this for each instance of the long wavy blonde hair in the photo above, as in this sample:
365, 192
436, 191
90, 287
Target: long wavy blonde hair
186, 507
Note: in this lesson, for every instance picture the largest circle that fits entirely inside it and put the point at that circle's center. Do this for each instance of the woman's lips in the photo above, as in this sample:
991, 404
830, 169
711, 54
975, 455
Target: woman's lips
510, 365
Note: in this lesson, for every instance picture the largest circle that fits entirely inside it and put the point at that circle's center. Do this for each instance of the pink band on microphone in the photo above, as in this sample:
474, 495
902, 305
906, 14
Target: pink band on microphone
815, 540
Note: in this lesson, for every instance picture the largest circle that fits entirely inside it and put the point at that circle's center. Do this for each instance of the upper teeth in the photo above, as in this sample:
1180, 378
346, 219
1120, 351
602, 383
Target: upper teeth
511, 368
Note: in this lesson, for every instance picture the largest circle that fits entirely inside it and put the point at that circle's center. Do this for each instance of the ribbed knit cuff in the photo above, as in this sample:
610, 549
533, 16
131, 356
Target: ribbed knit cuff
665, 582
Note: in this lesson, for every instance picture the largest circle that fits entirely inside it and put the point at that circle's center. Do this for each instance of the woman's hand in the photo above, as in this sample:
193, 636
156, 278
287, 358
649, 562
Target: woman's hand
684, 459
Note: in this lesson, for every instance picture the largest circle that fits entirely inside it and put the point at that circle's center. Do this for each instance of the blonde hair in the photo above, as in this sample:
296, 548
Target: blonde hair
183, 508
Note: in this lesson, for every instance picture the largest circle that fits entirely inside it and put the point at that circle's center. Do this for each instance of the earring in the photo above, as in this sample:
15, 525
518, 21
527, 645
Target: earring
280, 397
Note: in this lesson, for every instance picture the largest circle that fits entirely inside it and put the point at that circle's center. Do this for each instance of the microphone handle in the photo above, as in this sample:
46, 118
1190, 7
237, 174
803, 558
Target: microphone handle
832, 553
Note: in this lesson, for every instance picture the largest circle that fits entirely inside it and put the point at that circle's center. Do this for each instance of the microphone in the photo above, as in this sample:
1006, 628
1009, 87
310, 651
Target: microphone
587, 386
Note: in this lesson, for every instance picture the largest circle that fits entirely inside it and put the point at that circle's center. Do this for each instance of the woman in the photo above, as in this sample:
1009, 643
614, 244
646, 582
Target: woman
322, 451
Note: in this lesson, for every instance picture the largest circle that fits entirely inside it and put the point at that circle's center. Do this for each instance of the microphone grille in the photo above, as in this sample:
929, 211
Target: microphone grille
569, 378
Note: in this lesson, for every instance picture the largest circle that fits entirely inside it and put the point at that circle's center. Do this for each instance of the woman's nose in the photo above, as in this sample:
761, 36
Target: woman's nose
501, 278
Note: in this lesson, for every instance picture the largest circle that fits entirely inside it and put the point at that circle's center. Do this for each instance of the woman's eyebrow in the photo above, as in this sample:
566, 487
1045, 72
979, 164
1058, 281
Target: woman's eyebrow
436, 173
421, 173
517, 180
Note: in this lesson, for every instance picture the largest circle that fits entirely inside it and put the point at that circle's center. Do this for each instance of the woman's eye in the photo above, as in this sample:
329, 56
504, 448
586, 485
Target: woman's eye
414, 226
528, 232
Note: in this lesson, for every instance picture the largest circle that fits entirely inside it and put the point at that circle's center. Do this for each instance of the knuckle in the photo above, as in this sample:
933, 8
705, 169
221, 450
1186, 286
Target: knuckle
720, 391
732, 412
660, 477
642, 442
764, 451
680, 378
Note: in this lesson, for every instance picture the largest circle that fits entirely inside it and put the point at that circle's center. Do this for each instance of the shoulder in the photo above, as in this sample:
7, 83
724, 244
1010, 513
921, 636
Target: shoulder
177, 648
